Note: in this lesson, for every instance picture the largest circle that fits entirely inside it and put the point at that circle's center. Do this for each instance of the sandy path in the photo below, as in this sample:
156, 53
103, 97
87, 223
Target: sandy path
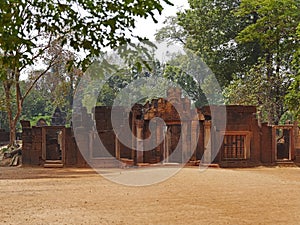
217, 196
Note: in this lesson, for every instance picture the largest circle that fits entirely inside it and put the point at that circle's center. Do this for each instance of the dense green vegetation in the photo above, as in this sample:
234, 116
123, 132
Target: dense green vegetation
252, 47
35, 30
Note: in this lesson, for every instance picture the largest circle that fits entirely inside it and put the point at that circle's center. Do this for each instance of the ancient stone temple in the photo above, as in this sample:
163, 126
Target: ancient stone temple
164, 131
58, 118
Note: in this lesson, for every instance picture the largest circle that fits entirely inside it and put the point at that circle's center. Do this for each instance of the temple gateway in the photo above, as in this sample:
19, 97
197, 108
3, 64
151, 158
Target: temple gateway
182, 135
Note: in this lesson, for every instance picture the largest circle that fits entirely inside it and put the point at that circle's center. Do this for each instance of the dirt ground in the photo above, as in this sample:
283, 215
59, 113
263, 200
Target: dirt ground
216, 196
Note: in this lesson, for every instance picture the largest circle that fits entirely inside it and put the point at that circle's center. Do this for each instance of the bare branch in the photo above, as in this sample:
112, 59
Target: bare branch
53, 62
42, 51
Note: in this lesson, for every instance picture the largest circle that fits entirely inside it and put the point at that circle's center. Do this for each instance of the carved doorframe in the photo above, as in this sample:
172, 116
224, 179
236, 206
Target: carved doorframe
44, 141
275, 141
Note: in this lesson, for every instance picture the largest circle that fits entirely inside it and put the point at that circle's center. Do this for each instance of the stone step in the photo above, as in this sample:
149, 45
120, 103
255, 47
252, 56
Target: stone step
286, 163
53, 164
53, 161
239, 164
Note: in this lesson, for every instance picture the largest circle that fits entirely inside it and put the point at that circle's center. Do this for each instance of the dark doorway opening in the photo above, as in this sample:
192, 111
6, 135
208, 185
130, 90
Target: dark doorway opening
283, 143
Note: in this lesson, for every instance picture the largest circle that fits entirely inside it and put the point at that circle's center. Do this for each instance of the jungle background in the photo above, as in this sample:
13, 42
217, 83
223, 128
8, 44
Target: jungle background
252, 47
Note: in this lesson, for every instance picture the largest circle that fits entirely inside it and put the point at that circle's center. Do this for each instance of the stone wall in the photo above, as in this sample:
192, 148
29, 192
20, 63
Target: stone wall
241, 122
297, 143
4, 137
99, 144
34, 141
27, 145
267, 153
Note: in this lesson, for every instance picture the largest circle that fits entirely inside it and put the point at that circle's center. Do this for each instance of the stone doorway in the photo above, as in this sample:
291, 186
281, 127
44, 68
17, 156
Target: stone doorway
53, 146
172, 140
283, 142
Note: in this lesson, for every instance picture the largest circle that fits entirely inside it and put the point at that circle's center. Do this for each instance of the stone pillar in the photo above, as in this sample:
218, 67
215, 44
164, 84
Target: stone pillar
44, 144
140, 147
194, 138
207, 142
27, 145
159, 146
297, 143
185, 141
117, 148
274, 145
167, 144
133, 130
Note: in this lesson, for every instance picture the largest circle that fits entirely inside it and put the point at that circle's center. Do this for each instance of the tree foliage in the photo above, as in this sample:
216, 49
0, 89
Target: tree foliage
29, 27
274, 28
171, 32
124, 82
55, 89
292, 99
249, 45
209, 29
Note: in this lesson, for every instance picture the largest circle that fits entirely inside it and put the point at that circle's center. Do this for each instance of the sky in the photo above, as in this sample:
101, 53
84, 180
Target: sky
147, 28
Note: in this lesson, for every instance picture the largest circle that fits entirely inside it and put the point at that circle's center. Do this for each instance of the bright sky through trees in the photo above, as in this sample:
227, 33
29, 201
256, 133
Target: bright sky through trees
147, 28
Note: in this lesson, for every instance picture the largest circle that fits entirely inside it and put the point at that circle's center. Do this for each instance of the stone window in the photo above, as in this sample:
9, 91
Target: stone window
236, 145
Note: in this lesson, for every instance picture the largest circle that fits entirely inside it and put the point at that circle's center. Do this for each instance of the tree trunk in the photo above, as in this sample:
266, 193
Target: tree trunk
13, 119
12, 135
7, 88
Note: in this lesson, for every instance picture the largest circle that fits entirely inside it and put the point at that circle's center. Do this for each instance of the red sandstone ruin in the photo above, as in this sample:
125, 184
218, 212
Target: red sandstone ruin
245, 142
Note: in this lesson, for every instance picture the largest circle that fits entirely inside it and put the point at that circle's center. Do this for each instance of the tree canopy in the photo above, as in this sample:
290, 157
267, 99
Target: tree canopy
209, 29
28, 28
251, 46
275, 30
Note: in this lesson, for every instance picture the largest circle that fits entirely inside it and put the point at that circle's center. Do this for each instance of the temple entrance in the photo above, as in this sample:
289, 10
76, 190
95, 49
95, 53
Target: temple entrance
172, 140
53, 143
283, 142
